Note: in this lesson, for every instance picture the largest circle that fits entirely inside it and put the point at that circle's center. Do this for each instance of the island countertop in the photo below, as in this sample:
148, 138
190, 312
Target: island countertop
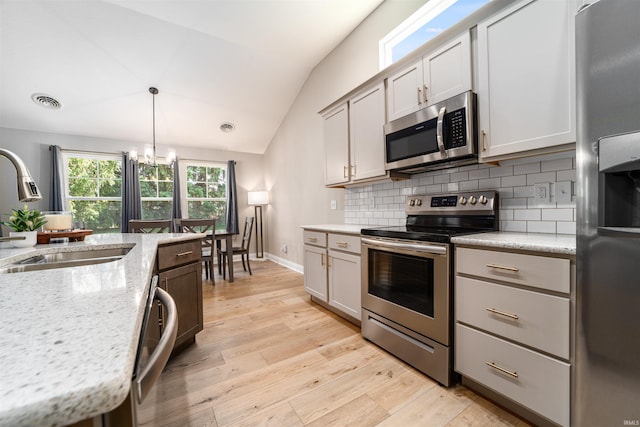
68, 336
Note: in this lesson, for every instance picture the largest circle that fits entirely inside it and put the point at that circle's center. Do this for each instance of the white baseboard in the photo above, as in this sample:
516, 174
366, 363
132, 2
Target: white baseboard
286, 263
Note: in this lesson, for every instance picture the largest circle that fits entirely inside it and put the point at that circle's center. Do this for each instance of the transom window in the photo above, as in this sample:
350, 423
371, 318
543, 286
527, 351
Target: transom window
93, 190
206, 194
426, 23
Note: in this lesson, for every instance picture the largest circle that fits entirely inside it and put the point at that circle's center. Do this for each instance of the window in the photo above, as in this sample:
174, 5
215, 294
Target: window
206, 194
156, 190
427, 22
93, 187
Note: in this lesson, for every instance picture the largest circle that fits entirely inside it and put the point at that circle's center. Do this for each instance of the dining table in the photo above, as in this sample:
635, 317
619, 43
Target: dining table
227, 236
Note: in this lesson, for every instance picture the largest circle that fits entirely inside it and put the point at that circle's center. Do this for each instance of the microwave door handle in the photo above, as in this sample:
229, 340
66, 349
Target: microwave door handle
439, 137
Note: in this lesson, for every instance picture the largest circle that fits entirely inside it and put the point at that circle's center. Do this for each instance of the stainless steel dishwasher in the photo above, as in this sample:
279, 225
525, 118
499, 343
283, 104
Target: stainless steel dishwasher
154, 349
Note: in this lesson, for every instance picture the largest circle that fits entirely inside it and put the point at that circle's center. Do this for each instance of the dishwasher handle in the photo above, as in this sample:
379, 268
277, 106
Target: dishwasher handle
158, 359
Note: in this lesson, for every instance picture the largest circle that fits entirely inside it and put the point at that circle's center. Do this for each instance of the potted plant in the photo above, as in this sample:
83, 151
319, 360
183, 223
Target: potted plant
25, 222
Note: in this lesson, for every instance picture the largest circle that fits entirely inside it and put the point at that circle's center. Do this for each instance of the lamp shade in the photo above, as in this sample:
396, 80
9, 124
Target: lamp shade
258, 198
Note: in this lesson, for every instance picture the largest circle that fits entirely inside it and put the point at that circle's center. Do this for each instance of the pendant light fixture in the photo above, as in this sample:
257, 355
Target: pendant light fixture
150, 152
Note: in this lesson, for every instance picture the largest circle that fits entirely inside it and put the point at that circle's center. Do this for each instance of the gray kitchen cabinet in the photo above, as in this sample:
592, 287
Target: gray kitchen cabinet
513, 328
354, 139
332, 272
526, 80
438, 75
179, 267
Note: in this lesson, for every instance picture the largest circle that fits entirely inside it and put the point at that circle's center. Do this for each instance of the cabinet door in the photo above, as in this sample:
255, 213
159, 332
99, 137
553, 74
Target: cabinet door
184, 284
315, 271
366, 131
404, 91
344, 283
526, 78
336, 145
447, 71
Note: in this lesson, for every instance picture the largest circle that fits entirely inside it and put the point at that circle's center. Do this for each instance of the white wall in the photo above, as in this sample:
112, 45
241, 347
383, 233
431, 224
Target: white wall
295, 158
33, 149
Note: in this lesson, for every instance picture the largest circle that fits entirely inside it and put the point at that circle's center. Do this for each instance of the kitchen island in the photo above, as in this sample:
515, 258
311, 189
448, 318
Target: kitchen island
68, 336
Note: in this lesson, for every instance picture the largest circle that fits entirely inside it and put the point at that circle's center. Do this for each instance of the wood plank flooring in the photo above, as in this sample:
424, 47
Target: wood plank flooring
268, 356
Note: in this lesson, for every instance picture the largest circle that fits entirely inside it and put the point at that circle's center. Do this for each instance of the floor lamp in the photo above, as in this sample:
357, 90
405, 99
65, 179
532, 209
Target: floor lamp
257, 199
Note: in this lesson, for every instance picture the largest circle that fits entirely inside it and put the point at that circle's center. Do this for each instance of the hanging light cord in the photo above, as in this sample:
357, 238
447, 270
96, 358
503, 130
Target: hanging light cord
154, 92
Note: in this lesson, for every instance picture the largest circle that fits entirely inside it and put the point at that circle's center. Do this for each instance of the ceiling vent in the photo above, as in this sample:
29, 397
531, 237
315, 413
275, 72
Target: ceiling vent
46, 101
227, 127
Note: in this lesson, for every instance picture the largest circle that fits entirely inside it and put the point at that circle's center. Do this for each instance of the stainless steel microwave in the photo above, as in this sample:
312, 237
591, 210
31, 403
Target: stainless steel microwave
436, 137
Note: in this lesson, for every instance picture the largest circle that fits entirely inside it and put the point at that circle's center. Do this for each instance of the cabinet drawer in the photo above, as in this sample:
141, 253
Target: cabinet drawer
529, 270
344, 242
532, 318
178, 254
315, 238
538, 382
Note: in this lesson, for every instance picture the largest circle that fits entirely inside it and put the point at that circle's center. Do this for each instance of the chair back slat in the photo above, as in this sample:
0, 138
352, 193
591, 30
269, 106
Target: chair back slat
149, 226
246, 235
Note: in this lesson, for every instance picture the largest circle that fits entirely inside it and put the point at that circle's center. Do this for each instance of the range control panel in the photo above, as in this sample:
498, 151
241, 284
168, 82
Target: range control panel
454, 203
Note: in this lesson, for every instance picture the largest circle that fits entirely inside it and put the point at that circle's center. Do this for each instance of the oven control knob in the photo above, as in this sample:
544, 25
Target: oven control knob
418, 202
412, 202
483, 200
473, 200
463, 200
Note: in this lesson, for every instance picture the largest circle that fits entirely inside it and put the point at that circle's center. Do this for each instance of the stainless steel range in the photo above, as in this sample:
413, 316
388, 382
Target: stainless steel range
407, 277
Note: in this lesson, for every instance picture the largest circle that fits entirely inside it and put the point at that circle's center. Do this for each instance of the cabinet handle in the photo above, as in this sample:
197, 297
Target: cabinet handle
322, 260
502, 267
502, 313
328, 261
484, 147
344, 172
424, 94
353, 171
419, 96
312, 239
342, 244
184, 253
501, 369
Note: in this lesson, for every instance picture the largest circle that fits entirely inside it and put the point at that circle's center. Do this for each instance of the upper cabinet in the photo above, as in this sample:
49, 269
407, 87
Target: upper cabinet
336, 145
354, 138
526, 80
437, 76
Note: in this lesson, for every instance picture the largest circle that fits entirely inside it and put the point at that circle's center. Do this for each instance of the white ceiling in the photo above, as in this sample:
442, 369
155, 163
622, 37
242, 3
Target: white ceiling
213, 61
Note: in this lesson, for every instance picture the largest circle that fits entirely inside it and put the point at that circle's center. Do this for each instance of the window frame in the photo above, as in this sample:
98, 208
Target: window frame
185, 199
160, 161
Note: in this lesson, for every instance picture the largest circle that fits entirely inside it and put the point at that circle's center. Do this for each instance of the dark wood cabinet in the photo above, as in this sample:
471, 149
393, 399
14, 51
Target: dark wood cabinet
179, 267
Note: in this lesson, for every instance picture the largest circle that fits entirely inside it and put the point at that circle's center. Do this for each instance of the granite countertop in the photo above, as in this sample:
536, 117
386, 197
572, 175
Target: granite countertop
563, 244
68, 336
336, 228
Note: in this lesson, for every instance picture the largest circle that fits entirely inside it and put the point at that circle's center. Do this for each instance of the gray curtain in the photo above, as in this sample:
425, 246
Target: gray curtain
131, 201
56, 188
176, 205
232, 199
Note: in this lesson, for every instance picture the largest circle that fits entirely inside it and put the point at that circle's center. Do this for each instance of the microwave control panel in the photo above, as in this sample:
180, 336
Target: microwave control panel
456, 132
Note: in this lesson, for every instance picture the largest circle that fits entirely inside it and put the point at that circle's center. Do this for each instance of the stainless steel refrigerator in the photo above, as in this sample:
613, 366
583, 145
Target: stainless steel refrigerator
607, 362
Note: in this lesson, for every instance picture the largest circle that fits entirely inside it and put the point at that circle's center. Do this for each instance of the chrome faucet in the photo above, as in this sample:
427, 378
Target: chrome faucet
27, 188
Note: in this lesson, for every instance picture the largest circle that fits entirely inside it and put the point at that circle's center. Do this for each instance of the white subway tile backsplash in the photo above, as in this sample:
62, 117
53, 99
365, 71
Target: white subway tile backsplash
514, 179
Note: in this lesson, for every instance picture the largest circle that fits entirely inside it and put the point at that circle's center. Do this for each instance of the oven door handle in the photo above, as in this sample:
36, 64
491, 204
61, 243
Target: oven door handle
432, 249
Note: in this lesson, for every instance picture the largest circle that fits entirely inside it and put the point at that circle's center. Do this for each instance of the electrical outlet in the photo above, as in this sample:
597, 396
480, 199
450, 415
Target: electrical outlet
334, 204
283, 248
541, 192
563, 192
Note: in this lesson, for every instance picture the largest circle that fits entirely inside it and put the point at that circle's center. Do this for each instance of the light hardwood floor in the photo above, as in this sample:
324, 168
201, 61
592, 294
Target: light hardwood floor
268, 356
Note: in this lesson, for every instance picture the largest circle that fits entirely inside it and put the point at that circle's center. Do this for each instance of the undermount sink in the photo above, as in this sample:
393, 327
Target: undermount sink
66, 259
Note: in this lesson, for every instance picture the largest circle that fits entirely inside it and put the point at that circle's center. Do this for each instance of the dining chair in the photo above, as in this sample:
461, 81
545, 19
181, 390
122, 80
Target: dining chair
150, 226
207, 226
243, 250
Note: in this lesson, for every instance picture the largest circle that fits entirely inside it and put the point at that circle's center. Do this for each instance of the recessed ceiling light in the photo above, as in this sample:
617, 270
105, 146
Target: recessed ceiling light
46, 101
227, 127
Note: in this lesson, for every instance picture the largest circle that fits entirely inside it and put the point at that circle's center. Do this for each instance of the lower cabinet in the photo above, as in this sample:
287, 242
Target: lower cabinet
513, 329
180, 274
332, 271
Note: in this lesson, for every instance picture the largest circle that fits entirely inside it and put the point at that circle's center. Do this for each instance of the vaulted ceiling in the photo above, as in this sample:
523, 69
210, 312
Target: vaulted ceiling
213, 61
